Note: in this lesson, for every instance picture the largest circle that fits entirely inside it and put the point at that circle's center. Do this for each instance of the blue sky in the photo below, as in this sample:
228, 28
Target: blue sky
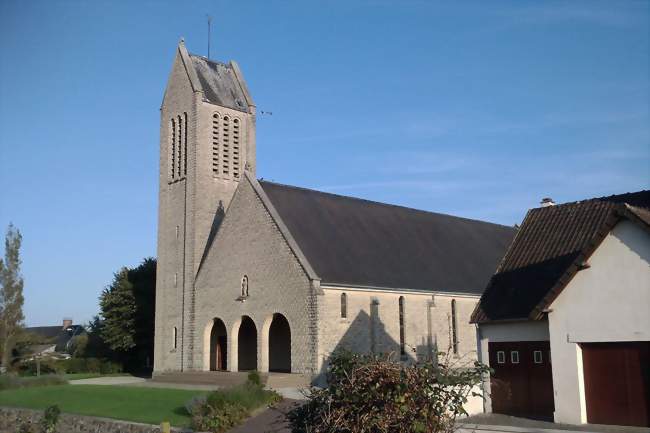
476, 109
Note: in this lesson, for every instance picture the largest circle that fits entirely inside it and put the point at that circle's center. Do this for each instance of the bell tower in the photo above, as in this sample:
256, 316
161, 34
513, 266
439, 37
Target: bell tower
207, 142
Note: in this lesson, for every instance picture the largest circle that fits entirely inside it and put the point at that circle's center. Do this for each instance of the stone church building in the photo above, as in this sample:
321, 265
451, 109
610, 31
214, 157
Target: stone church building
257, 275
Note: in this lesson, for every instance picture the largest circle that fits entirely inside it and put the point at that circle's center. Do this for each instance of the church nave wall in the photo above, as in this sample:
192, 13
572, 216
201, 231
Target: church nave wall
373, 323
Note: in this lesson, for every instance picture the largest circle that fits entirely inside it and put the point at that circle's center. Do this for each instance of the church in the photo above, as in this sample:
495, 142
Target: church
257, 275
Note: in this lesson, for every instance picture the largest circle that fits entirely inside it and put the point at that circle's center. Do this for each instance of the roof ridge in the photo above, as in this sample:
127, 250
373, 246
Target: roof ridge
216, 62
379, 203
605, 198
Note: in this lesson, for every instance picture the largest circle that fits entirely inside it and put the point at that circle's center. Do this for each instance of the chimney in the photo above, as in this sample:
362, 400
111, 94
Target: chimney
547, 201
67, 322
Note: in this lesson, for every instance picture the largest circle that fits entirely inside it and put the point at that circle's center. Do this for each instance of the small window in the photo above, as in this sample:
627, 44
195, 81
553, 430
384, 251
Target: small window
454, 328
174, 338
244, 286
501, 357
537, 356
177, 232
514, 357
402, 337
175, 279
344, 306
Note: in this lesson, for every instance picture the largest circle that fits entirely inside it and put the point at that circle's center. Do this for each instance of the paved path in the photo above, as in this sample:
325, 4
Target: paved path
272, 420
491, 422
109, 380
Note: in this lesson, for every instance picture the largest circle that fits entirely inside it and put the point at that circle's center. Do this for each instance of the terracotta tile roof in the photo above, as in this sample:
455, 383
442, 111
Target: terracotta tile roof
350, 241
551, 245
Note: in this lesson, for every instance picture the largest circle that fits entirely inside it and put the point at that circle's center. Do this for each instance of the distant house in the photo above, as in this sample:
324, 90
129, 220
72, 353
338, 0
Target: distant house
565, 321
53, 340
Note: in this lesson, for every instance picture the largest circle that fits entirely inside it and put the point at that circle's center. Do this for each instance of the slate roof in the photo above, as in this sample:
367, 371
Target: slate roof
551, 246
220, 84
350, 241
56, 334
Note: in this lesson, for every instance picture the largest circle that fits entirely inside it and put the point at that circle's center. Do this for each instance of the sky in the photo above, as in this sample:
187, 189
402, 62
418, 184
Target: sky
472, 108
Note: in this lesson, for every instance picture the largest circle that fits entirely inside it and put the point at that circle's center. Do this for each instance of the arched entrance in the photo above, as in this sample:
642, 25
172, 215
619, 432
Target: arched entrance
218, 346
280, 344
247, 345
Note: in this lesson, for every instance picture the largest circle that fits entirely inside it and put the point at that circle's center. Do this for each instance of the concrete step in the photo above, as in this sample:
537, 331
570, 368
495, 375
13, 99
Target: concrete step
288, 380
228, 379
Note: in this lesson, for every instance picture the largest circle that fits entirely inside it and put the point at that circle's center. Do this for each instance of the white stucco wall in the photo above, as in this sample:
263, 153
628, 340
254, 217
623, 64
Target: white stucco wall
504, 332
608, 302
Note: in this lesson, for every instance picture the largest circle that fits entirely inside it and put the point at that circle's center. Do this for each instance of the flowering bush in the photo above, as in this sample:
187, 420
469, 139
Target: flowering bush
375, 394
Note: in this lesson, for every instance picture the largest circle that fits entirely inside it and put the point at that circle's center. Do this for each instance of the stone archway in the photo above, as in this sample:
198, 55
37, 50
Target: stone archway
247, 345
279, 341
218, 346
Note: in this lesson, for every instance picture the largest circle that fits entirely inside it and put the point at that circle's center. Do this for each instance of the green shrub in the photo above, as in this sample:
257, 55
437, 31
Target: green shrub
254, 378
110, 367
368, 394
11, 381
217, 420
50, 419
93, 365
224, 409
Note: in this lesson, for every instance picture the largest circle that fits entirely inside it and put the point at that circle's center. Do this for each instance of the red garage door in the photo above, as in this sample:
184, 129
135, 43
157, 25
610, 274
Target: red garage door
522, 383
617, 383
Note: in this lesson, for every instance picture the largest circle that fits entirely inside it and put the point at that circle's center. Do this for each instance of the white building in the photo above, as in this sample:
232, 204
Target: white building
565, 321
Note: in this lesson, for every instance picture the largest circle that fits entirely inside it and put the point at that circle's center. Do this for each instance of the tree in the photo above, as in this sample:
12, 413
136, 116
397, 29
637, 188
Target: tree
126, 326
11, 294
118, 308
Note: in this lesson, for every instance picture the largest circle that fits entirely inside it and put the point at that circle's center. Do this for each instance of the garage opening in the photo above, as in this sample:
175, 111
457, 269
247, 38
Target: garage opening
280, 344
522, 383
218, 346
617, 383
247, 345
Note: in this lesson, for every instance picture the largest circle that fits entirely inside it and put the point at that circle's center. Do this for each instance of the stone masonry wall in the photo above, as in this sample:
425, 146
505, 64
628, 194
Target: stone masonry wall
12, 418
427, 320
173, 230
249, 243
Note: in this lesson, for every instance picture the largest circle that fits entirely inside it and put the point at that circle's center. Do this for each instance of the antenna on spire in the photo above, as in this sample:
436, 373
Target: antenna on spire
209, 29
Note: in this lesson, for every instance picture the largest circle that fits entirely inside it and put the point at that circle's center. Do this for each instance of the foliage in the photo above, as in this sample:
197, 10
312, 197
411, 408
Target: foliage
11, 295
374, 394
125, 330
72, 365
118, 309
50, 419
137, 404
226, 408
11, 381
79, 344
254, 378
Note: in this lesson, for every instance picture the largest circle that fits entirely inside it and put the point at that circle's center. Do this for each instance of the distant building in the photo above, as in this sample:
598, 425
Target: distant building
53, 340
257, 275
565, 321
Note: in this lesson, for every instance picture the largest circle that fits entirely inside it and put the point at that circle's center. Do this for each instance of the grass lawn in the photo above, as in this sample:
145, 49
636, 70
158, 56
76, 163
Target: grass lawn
139, 404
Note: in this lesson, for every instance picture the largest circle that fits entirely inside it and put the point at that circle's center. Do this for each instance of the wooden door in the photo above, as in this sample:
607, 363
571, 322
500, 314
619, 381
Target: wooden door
522, 383
221, 353
617, 383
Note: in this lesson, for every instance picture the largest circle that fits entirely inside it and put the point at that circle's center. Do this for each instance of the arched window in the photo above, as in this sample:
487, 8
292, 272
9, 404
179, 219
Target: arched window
244, 286
215, 144
225, 146
344, 305
454, 328
236, 157
173, 148
185, 146
402, 343
179, 146
174, 338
